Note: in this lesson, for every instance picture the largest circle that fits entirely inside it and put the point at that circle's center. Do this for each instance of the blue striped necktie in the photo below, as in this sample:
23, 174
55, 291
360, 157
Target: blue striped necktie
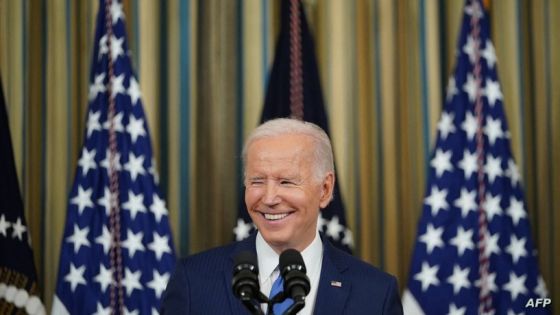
277, 287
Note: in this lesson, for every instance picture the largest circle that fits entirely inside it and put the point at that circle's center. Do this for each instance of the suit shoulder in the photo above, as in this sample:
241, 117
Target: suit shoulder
210, 258
362, 269
368, 284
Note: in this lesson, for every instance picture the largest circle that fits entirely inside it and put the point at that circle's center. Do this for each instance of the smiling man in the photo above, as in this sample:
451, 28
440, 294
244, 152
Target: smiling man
287, 182
289, 178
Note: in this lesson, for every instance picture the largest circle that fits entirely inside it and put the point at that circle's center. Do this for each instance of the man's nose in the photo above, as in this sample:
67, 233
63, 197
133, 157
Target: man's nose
271, 196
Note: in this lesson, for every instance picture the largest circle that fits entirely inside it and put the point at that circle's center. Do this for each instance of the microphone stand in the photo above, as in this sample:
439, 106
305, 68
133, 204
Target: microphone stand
275, 299
299, 303
254, 305
296, 307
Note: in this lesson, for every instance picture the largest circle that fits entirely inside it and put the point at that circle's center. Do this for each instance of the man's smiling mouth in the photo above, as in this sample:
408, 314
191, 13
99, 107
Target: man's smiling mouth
275, 216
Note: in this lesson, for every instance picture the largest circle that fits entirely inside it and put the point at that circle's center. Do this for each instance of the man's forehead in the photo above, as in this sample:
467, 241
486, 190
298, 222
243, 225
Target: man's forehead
290, 142
293, 155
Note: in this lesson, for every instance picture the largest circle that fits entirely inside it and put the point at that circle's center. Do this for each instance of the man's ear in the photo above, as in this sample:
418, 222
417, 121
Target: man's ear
327, 189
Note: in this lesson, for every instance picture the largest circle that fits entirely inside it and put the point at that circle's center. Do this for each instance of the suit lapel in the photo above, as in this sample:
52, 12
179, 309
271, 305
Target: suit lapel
333, 286
246, 245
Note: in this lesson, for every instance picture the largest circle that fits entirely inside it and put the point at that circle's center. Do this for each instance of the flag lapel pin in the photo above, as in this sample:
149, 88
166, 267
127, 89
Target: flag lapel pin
336, 284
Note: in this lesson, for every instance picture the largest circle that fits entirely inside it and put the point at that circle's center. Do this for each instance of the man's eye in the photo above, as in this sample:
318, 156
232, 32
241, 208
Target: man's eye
287, 182
256, 182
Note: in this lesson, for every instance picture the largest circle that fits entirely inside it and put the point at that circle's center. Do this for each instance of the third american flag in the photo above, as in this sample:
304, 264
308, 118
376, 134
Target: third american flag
474, 253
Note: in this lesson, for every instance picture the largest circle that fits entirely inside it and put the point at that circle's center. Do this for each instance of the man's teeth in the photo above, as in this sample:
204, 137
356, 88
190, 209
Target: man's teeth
274, 217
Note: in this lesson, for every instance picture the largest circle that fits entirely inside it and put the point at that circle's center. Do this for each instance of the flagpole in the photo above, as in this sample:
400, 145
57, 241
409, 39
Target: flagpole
485, 298
296, 64
117, 298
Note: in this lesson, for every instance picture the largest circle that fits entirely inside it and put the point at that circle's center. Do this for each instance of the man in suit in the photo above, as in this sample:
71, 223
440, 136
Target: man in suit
289, 177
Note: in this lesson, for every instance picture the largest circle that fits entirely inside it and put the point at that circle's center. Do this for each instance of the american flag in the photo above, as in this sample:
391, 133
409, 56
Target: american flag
281, 101
474, 253
117, 252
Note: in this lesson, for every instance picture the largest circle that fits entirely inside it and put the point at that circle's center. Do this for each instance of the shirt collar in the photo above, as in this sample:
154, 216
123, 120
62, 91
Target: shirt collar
313, 254
268, 258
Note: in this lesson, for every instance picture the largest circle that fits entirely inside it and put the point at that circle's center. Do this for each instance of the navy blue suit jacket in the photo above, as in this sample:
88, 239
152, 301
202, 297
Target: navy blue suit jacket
201, 284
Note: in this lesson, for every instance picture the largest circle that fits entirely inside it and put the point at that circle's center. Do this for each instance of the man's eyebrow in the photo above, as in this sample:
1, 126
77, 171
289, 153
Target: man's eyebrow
293, 178
288, 177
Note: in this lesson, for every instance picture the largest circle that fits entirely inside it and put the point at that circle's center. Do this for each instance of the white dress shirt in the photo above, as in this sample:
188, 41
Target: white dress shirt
268, 262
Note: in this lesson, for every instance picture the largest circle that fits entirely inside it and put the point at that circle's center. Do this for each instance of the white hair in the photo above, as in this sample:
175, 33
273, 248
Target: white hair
322, 153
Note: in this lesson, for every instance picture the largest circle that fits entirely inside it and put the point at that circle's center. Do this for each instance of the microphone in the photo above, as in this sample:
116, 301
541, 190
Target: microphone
296, 282
245, 282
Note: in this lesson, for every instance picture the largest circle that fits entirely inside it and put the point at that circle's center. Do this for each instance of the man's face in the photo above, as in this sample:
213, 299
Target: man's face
281, 193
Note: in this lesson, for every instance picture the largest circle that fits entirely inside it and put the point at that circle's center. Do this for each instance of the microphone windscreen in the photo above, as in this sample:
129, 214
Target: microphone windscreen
245, 280
246, 258
291, 259
296, 282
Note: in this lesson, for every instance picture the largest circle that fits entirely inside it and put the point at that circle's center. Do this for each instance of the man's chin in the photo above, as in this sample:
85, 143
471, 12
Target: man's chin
278, 241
